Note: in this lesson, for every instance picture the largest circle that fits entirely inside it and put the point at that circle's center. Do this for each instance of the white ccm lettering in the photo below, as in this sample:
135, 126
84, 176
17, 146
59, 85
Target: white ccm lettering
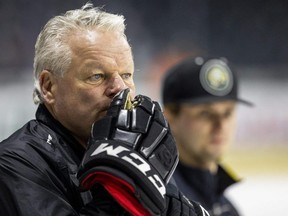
144, 167
109, 150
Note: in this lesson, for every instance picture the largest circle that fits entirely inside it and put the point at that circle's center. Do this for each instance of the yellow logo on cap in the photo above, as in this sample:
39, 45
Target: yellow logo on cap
216, 78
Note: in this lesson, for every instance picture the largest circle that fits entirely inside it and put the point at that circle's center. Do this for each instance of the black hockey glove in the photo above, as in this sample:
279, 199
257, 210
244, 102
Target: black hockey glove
179, 205
132, 154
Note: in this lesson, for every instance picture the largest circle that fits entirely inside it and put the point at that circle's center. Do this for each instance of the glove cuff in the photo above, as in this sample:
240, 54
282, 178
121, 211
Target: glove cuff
120, 190
124, 190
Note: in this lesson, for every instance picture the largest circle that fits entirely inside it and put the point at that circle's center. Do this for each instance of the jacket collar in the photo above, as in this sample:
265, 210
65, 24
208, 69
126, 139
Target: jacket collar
44, 116
205, 182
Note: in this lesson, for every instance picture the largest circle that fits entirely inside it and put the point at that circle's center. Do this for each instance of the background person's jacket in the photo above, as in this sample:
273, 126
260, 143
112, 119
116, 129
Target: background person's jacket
38, 166
207, 189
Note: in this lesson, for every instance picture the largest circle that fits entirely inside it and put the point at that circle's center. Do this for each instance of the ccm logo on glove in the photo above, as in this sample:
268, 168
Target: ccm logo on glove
135, 160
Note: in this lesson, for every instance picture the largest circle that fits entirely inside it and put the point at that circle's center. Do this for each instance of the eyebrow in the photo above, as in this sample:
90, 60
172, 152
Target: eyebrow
101, 66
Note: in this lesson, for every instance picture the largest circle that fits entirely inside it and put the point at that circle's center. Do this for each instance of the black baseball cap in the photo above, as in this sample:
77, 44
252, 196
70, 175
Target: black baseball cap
198, 80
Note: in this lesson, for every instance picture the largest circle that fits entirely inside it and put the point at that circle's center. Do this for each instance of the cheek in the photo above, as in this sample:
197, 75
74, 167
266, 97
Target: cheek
184, 128
192, 126
193, 131
188, 135
79, 100
231, 129
87, 97
86, 94
90, 103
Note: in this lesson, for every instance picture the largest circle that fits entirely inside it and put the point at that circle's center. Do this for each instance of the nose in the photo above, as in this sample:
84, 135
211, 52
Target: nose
115, 85
218, 124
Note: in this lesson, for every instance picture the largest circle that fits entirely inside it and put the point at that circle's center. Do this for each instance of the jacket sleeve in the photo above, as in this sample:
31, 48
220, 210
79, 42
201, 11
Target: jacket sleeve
29, 185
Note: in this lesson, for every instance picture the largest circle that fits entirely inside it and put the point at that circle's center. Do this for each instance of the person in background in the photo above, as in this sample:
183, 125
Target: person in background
94, 148
200, 97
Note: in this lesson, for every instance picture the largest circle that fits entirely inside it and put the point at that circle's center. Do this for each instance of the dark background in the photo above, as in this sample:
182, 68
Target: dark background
250, 32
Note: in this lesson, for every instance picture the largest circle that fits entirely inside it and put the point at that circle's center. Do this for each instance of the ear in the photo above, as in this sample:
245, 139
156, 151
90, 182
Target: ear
167, 114
170, 117
47, 83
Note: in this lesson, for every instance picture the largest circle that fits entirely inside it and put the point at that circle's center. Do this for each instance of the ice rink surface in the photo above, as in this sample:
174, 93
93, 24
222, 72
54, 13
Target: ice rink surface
261, 195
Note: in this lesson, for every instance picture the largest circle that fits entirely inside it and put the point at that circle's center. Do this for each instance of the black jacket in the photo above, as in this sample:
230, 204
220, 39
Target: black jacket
38, 164
202, 186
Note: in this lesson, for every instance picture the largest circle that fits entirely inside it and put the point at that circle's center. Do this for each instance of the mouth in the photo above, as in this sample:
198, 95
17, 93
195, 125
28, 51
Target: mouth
217, 140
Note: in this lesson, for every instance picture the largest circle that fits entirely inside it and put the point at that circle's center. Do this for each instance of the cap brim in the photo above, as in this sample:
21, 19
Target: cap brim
245, 102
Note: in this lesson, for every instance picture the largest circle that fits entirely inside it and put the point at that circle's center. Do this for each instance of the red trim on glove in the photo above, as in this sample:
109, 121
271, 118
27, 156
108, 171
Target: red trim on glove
121, 191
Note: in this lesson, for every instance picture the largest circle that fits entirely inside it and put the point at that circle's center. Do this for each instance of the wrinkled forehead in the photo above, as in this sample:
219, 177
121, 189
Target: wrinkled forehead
99, 42
86, 37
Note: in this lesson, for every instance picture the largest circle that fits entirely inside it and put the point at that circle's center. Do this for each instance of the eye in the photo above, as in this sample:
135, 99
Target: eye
228, 113
204, 114
126, 76
96, 77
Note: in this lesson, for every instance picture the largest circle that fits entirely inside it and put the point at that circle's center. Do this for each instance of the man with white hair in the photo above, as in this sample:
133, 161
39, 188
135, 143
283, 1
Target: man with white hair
93, 148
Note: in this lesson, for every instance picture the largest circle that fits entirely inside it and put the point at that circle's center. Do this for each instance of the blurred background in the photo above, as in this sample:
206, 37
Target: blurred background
252, 35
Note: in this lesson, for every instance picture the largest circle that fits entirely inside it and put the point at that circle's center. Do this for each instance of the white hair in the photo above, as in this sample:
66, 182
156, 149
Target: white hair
52, 51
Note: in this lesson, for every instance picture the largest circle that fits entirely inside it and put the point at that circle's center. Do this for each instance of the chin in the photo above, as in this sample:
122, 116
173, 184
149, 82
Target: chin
216, 153
100, 115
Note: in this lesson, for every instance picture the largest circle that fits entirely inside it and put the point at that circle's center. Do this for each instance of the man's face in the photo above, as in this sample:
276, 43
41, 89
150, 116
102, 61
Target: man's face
102, 65
203, 132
